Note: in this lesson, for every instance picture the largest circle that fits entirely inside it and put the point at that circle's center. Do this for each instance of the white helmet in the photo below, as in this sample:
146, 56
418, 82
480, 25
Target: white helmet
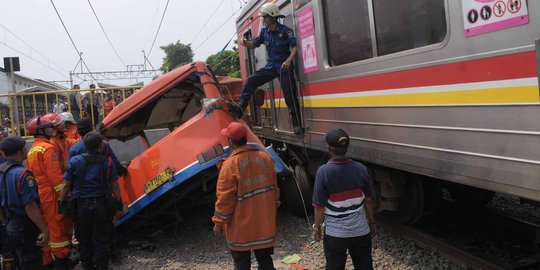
270, 9
67, 117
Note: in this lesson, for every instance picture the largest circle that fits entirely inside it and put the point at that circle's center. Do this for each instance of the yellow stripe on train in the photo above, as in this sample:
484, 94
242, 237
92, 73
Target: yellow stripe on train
516, 95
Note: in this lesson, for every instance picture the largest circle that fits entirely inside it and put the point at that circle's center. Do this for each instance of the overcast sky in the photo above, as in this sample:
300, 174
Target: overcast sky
130, 24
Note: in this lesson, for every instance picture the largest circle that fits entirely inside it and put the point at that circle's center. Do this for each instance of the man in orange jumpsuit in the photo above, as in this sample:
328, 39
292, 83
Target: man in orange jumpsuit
247, 201
60, 140
71, 127
44, 161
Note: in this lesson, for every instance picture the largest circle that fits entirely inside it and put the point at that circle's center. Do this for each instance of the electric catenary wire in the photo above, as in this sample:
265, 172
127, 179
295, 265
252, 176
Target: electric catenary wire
207, 21
31, 58
72, 42
105, 33
217, 29
159, 27
32, 49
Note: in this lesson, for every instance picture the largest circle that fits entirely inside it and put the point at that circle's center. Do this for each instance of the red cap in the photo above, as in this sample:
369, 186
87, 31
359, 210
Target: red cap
235, 131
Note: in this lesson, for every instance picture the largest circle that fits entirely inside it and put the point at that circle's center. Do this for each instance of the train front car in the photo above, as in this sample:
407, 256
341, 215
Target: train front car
436, 95
169, 134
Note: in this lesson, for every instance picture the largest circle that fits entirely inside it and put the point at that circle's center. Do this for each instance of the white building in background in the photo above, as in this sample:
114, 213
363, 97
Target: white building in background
23, 82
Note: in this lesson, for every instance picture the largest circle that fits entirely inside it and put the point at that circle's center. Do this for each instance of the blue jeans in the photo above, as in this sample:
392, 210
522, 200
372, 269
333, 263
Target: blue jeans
288, 85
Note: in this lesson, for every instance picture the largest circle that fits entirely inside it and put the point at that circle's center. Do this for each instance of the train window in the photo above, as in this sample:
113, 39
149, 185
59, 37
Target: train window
406, 24
347, 31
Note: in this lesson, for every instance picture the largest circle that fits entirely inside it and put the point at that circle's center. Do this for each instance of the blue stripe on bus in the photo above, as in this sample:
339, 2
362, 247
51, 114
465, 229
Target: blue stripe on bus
181, 177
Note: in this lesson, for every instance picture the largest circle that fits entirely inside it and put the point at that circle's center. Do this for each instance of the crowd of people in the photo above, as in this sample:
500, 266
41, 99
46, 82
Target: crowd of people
66, 195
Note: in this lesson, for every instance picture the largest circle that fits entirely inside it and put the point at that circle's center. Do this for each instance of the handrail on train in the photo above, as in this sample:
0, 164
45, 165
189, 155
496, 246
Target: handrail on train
39, 104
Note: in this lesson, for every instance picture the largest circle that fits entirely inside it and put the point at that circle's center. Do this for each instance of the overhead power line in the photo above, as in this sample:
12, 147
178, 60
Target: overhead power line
69, 35
107, 36
217, 29
159, 27
32, 49
65, 28
33, 59
207, 20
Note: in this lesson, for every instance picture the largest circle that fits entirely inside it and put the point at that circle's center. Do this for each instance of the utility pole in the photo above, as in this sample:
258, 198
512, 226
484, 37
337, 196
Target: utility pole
12, 64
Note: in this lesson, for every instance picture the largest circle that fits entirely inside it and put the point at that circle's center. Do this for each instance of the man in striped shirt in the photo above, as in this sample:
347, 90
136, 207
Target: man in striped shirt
343, 199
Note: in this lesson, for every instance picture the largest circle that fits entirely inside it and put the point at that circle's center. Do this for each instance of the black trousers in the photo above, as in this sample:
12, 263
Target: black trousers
21, 234
93, 230
335, 251
288, 84
242, 259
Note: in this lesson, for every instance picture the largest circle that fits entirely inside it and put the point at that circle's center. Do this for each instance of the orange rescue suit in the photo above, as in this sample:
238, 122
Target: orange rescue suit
43, 161
247, 199
72, 133
62, 144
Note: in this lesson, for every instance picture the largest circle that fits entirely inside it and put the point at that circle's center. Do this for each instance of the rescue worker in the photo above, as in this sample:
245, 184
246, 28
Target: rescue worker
43, 161
343, 199
84, 126
281, 50
20, 207
247, 201
59, 140
88, 177
108, 106
71, 127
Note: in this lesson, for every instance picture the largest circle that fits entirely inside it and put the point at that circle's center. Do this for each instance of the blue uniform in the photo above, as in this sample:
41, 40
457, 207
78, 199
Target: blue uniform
278, 44
91, 174
87, 178
18, 190
79, 148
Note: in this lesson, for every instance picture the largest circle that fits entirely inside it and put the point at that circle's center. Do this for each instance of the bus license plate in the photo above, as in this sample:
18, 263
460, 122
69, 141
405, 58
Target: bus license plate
159, 180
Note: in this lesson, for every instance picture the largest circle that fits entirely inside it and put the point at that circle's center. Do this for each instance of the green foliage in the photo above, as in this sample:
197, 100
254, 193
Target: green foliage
176, 54
228, 63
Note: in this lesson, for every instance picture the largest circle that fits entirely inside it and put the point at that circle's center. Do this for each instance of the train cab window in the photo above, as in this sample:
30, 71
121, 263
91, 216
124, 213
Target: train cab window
407, 24
347, 31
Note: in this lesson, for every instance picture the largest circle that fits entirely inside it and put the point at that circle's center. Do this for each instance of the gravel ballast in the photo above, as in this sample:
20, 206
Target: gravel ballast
195, 247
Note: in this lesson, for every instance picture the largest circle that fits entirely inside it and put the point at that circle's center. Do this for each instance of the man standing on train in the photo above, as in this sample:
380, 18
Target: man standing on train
281, 50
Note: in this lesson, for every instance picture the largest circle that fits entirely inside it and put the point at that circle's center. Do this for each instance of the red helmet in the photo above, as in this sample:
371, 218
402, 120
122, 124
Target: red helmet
54, 118
36, 124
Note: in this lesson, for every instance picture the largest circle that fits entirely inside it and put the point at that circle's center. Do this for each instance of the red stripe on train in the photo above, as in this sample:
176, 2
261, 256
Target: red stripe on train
513, 66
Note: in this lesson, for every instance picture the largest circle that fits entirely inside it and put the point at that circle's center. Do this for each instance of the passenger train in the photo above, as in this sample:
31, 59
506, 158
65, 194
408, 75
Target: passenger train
436, 95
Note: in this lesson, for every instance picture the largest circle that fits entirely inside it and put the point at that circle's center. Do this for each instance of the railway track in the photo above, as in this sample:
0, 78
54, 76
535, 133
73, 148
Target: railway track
465, 245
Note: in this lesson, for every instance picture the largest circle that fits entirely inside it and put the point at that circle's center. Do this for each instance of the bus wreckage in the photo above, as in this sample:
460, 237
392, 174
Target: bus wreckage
168, 133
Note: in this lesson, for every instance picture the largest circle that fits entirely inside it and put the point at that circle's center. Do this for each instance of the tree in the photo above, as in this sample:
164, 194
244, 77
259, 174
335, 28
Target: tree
228, 63
176, 54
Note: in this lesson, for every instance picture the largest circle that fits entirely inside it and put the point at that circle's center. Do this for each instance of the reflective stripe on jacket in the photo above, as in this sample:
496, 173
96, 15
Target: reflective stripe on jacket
247, 195
44, 161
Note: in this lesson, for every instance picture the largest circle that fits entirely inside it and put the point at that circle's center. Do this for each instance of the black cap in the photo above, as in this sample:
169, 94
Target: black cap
12, 144
337, 138
84, 125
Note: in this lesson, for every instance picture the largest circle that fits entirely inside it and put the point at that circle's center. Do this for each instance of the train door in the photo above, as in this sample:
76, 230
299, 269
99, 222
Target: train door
259, 117
282, 119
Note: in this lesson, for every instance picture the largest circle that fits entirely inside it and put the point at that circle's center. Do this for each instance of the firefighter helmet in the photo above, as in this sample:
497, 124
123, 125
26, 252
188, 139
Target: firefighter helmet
67, 117
54, 118
38, 123
270, 9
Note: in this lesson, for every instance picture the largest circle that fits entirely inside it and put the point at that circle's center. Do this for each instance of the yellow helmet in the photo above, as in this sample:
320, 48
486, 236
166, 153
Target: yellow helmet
270, 9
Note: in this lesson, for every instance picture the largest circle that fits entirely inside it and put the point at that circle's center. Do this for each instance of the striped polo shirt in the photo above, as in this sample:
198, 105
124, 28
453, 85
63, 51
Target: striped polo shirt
341, 185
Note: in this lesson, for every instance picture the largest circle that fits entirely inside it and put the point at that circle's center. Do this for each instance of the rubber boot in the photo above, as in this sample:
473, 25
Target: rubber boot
243, 104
